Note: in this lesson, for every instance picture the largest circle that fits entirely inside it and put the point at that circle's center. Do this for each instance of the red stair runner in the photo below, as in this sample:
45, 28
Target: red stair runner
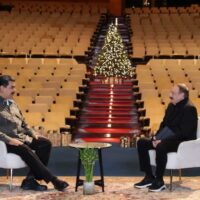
108, 113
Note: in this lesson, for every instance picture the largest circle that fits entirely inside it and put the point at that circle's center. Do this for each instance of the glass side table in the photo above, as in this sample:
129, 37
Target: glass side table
96, 145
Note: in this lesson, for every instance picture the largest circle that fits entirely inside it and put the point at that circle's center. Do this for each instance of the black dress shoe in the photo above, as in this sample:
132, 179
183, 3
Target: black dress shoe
32, 184
59, 184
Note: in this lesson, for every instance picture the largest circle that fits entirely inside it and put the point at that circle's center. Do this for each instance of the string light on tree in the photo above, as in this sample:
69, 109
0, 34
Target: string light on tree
113, 59
116, 21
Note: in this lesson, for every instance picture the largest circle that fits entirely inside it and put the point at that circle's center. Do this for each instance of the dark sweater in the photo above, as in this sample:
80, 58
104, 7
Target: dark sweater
182, 120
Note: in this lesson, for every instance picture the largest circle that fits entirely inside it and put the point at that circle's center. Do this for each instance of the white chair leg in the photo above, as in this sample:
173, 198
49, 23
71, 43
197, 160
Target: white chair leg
11, 179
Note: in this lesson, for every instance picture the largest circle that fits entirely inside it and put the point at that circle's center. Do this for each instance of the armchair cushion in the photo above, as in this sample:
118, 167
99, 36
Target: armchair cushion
185, 157
188, 154
10, 160
3, 149
172, 159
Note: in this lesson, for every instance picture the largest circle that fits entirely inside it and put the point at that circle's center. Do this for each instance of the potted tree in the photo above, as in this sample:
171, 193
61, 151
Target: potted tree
88, 157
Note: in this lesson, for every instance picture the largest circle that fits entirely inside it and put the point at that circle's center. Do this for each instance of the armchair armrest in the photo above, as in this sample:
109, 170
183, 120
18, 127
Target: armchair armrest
3, 148
188, 152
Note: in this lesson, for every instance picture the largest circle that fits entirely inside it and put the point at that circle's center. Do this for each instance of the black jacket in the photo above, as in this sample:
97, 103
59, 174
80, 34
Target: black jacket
182, 119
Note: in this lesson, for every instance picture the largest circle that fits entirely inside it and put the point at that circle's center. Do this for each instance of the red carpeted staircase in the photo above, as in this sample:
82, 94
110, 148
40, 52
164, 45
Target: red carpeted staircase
108, 112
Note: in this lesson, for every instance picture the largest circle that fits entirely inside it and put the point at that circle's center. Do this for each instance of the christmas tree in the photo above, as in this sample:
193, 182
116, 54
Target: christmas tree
113, 59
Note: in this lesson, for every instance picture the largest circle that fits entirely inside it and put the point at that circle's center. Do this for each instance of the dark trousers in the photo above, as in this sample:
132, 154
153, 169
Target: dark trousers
144, 145
37, 160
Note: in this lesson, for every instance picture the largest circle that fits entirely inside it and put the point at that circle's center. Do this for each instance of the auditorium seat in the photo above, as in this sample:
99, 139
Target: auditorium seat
178, 77
58, 107
12, 72
42, 78
57, 78
4, 61
50, 61
146, 85
23, 50
44, 99
32, 92
65, 50
33, 85
38, 107
56, 118
37, 50
164, 94
23, 102
33, 118
155, 114
47, 92
35, 61
51, 50
28, 72
48, 38
68, 62
68, 100
148, 93
144, 73
71, 85
52, 84
62, 72
163, 84
48, 71
170, 32
76, 78
67, 92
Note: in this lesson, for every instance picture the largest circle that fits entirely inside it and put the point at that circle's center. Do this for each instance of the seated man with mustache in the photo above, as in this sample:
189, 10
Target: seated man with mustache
21, 140
179, 124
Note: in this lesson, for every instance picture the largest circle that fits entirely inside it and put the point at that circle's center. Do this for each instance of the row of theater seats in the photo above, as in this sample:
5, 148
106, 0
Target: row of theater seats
156, 78
59, 34
45, 96
161, 34
59, 6
165, 10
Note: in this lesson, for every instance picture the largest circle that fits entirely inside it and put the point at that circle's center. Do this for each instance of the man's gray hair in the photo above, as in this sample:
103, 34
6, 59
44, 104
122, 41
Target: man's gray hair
183, 89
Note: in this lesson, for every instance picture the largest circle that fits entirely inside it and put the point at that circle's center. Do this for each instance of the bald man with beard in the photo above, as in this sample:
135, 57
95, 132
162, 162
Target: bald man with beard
179, 124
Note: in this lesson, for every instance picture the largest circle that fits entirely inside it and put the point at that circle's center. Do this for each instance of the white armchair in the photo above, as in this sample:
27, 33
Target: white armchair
185, 157
10, 161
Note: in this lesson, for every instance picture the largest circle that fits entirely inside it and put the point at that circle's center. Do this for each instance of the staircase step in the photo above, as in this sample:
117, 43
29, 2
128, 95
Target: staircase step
106, 121
115, 114
106, 108
115, 131
97, 117
109, 140
103, 90
107, 125
107, 101
108, 97
107, 104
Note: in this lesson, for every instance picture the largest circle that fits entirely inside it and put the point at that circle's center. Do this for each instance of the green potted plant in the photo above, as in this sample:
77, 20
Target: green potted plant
88, 157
